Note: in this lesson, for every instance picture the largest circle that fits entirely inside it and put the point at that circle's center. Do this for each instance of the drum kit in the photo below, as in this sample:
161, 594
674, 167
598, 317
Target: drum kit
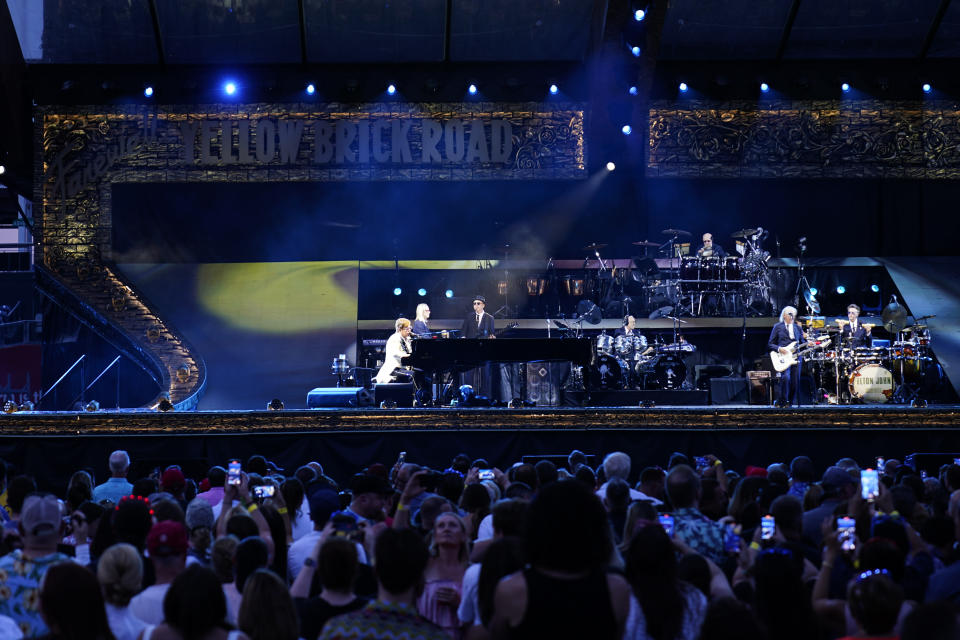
708, 284
628, 362
898, 373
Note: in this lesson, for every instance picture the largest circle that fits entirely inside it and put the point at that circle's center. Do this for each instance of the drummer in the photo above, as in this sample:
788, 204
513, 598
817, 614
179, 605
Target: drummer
854, 333
710, 250
629, 329
630, 344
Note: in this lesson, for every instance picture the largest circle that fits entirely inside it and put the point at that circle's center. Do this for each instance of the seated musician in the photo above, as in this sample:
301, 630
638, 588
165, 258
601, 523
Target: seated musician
854, 333
710, 250
629, 328
478, 324
421, 326
398, 346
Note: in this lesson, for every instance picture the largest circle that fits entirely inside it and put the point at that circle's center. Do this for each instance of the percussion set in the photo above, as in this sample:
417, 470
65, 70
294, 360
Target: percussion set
628, 362
895, 373
710, 284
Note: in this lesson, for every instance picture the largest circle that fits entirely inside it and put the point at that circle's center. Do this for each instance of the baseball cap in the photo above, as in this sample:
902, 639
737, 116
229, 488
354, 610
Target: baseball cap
40, 514
323, 501
199, 514
172, 480
365, 483
167, 538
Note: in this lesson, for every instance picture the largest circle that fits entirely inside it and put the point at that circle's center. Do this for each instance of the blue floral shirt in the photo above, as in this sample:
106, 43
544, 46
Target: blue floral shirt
701, 534
20, 589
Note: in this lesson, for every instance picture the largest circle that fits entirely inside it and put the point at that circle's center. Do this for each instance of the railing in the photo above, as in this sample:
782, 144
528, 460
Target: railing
16, 257
20, 332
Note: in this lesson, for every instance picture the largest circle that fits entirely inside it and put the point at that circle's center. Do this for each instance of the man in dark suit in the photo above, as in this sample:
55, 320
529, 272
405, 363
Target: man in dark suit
782, 335
855, 334
478, 324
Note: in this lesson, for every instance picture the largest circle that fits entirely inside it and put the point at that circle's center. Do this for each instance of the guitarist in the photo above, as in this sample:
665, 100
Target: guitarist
784, 333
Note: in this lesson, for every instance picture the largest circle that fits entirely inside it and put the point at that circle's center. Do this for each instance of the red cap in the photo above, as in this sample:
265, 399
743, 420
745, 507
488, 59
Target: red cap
167, 538
172, 479
755, 472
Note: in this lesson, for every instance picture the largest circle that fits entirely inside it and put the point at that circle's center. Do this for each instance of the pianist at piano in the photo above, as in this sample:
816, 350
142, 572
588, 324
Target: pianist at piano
398, 346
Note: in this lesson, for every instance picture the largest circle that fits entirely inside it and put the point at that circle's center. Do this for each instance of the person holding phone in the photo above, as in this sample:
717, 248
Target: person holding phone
699, 532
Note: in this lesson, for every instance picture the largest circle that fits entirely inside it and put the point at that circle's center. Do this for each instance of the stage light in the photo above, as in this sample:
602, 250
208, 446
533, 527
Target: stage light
845, 87
472, 89
683, 87
764, 87
421, 292
92, 406
9, 406
397, 291
3, 169
230, 88
448, 293
841, 289
148, 92
814, 291
311, 89
635, 50
875, 288
926, 87
275, 405
611, 166
554, 89
27, 405
165, 405
639, 15
626, 129
391, 89
634, 91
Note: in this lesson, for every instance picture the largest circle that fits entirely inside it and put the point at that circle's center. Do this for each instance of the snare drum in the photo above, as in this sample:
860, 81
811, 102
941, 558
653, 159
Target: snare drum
606, 373
605, 344
871, 383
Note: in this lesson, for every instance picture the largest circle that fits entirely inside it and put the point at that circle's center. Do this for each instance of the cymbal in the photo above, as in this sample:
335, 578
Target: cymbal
894, 317
933, 315
675, 232
594, 247
645, 243
916, 327
744, 233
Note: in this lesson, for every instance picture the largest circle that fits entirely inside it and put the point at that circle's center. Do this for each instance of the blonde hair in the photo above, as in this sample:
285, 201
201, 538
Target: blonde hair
120, 572
423, 306
463, 553
401, 323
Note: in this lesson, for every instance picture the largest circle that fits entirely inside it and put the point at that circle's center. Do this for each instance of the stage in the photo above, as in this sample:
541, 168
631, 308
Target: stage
54, 444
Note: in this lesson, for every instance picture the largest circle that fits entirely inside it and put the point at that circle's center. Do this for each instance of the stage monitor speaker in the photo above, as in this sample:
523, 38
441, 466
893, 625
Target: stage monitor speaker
704, 373
339, 398
399, 392
761, 387
728, 391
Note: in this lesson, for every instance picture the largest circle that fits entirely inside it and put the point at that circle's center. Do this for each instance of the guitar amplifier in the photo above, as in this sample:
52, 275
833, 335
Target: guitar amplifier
760, 388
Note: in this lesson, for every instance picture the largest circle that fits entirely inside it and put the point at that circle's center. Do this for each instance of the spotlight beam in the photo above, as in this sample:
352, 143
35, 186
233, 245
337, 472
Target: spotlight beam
787, 30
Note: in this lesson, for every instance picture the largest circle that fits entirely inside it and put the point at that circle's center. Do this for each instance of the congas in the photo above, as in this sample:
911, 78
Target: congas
573, 286
606, 373
669, 372
689, 274
871, 383
605, 344
711, 272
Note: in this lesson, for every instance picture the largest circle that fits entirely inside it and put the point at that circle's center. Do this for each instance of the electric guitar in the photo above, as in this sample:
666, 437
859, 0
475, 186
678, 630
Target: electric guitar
783, 361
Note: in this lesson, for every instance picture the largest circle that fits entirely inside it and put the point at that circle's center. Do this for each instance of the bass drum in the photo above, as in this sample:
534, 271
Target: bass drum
669, 372
871, 383
606, 373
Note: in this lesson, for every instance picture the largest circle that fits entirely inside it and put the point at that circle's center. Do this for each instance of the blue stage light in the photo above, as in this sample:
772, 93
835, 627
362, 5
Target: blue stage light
683, 87
230, 88
148, 91
397, 291
845, 87
926, 87
639, 15
635, 50
841, 289
764, 87
626, 129
421, 292
611, 166
448, 293
392, 89
472, 89
875, 288
634, 91
311, 89
554, 89
814, 291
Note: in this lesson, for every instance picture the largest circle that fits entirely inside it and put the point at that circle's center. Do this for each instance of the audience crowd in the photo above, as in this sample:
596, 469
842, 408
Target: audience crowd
691, 550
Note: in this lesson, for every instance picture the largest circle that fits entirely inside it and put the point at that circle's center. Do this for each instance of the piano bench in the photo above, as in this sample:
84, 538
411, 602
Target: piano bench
399, 392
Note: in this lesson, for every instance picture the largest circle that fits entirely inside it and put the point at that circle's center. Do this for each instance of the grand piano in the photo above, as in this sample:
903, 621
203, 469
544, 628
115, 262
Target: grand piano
460, 354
